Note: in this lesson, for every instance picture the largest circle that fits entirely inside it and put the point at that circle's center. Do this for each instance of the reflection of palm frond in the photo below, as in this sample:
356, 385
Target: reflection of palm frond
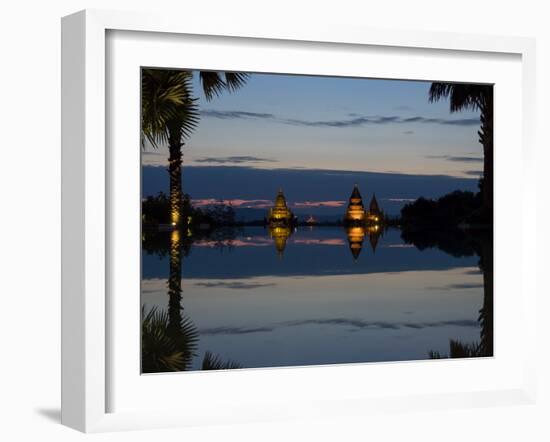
164, 349
215, 362
486, 335
433, 354
459, 349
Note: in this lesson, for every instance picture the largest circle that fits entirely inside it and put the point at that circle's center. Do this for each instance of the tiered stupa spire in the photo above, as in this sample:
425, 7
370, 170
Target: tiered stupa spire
280, 214
374, 215
356, 210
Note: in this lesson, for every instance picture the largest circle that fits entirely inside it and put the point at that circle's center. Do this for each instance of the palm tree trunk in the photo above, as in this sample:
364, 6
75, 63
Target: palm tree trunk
174, 169
174, 282
486, 139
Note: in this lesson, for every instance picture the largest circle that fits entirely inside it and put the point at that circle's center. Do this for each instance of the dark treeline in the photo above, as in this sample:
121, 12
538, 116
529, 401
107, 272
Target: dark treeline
458, 208
156, 211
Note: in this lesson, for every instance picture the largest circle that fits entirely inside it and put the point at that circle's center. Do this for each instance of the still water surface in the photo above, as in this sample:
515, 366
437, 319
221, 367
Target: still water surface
319, 296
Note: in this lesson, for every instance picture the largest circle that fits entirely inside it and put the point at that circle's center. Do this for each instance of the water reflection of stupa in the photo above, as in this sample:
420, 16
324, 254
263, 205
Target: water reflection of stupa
280, 214
356, 235
355, 238
280, 235
374, 234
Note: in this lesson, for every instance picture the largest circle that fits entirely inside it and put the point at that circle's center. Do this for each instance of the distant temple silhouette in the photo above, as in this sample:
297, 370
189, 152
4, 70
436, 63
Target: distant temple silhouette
360, 222
311, 220
356, 214
356, 210
280, 220
280, 214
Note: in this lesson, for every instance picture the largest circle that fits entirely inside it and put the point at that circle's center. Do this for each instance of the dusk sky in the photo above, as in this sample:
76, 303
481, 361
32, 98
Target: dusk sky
327, 124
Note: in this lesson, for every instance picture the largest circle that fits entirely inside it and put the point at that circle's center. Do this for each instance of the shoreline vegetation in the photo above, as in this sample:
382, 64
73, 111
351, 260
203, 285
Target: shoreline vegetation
461, 210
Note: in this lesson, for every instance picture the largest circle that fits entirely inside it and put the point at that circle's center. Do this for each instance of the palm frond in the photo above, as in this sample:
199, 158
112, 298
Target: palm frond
462, 96
235, 80
166, 104
439, 91
214, 83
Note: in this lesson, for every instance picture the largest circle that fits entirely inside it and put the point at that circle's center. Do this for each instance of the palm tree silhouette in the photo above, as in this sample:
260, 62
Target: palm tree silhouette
169, 340
162, 349
485, 346
169, 114
474, 97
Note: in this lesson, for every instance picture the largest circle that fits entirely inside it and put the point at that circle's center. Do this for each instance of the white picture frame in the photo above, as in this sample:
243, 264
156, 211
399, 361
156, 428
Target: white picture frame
86, 234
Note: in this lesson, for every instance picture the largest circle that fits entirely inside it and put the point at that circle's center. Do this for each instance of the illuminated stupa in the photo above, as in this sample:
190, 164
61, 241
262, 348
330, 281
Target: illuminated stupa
280, 214
356, 211
374, 215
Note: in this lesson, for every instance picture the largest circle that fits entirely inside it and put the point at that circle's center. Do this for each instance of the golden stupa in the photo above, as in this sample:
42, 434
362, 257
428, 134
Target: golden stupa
280, 214
374, 215
356, 211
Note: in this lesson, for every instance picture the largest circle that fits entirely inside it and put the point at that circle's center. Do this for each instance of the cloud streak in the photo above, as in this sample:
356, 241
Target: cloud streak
355, 324
247, 242
399, 200
234, 330
456, 159
235, 202
362, 324
322, 242
234, 160
231, 115
307, 204
459, 286
475, 173
355, 120
264, 204
235, 285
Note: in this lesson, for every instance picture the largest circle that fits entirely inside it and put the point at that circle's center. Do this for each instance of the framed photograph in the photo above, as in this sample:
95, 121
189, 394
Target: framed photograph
265, 222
